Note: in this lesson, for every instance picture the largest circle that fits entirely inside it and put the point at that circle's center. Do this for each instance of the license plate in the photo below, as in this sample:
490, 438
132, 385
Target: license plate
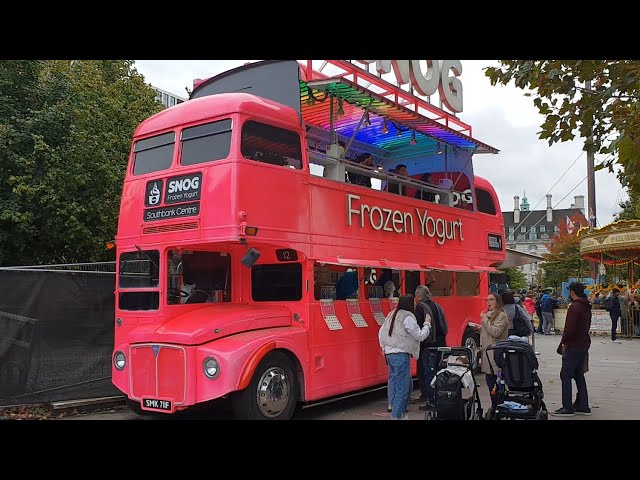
155, 404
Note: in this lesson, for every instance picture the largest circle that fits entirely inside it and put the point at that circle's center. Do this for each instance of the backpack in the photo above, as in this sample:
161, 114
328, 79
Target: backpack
449, 405
520, 327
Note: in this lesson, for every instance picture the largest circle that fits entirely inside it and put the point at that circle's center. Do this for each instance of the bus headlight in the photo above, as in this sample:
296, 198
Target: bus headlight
119, 360
211, 367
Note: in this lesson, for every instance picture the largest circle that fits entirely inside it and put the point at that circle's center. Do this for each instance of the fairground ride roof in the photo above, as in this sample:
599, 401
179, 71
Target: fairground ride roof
615, 244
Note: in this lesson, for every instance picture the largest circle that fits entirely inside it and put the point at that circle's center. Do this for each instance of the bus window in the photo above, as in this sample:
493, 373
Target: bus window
485, 202
139, 269
440, 282
198, 277
276, 283
206, 143
335, 281
273, 145
411, 281
375, 280
139, 300
466, 284
153, 154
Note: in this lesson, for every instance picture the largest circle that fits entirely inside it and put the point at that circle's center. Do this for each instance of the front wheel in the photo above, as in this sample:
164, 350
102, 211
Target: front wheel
272, 393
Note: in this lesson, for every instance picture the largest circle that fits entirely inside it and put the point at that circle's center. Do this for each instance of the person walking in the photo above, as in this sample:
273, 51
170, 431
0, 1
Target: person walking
429, 359
538, 306
494, 327
547, 305
612, 305
575, 345
400, 338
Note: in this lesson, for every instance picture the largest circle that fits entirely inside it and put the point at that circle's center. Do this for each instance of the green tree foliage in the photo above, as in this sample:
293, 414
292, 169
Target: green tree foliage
65, 136
517, 279
610, 111
563, 259
630, 209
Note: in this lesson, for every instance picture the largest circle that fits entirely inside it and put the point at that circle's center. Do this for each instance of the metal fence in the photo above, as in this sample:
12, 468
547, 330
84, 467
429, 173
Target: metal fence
96, 267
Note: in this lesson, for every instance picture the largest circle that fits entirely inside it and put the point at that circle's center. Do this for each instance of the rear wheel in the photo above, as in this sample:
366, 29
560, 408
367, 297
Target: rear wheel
272, 393
471, 340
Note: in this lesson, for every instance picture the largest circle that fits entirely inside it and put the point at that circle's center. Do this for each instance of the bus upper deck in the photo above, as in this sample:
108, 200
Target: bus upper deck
211, 146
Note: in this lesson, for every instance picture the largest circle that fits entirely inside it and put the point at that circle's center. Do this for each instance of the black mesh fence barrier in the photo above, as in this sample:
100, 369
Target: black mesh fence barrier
56, 335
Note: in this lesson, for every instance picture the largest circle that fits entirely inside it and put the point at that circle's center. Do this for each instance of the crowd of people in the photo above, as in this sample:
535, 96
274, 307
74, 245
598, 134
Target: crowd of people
419, 322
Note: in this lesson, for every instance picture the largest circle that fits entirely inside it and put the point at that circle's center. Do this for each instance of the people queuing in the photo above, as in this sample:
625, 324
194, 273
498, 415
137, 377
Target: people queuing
429, 359
493, 327
400, 338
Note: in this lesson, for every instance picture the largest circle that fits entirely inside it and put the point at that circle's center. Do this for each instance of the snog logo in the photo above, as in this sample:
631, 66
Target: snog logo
184, 188
153, 193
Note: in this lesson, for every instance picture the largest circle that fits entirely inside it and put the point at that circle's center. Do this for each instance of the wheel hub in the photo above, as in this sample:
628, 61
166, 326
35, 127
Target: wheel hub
273, 393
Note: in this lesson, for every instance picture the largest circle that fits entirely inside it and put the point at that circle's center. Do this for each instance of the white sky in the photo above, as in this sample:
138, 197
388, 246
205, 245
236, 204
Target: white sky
500, 116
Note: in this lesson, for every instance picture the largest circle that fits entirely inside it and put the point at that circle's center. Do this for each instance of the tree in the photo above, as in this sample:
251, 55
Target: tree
65, 137
609, 111
630, 209
563, 259
517, 279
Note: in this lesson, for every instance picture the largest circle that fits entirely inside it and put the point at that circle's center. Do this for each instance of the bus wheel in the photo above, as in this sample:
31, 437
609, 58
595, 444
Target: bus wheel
272, 393
472, 340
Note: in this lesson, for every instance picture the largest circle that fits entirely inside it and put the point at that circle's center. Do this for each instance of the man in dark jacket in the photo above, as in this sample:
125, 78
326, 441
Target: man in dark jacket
612, 304
429, 359
575, 347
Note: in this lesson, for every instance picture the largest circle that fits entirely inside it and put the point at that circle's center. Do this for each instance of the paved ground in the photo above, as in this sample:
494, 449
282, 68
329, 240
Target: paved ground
613, 383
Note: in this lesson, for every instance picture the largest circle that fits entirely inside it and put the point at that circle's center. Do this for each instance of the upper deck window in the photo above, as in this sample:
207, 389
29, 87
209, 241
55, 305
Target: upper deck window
273, 145
485, 202
153, 154
206, 143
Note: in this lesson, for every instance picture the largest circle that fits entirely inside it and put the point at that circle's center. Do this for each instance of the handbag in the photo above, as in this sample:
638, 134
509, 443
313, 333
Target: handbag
560, 349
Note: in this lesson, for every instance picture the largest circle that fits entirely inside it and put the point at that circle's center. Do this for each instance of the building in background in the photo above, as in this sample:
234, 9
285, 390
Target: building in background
529, 231
167, 99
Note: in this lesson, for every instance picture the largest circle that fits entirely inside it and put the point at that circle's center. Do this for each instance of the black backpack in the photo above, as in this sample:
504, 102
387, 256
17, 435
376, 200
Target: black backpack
520, 327
449, 405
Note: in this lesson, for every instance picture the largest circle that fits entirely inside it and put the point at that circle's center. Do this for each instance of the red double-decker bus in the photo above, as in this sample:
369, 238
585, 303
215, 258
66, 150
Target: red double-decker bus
255, 264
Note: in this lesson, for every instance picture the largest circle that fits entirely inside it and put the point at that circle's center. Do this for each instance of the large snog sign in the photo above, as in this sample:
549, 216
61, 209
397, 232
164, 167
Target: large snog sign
436, 78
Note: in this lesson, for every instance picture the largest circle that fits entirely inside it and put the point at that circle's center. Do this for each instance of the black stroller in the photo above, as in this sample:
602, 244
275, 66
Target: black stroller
519, 391
455, 386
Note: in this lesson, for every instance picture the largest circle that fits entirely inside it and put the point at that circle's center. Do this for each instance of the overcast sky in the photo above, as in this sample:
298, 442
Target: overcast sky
500, 116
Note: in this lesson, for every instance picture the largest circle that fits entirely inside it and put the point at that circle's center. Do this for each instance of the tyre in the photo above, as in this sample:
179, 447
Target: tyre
471, 340
542, 415
272, 393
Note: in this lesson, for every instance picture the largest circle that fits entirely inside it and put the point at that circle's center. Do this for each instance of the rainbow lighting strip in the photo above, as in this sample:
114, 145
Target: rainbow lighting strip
388, 126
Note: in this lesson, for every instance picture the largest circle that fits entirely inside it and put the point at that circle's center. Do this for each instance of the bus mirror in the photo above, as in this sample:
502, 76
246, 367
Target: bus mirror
250, 257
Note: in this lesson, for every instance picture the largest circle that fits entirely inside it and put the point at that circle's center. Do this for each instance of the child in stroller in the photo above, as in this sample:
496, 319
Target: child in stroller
455, 387
519, 391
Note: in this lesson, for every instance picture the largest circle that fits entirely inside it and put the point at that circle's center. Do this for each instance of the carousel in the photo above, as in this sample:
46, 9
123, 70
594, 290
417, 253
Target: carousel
615, 248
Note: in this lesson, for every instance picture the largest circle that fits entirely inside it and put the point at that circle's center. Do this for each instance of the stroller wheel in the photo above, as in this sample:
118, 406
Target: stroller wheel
542, 415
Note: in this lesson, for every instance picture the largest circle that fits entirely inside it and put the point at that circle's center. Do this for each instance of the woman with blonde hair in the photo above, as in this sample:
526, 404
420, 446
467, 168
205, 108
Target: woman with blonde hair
493, 328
